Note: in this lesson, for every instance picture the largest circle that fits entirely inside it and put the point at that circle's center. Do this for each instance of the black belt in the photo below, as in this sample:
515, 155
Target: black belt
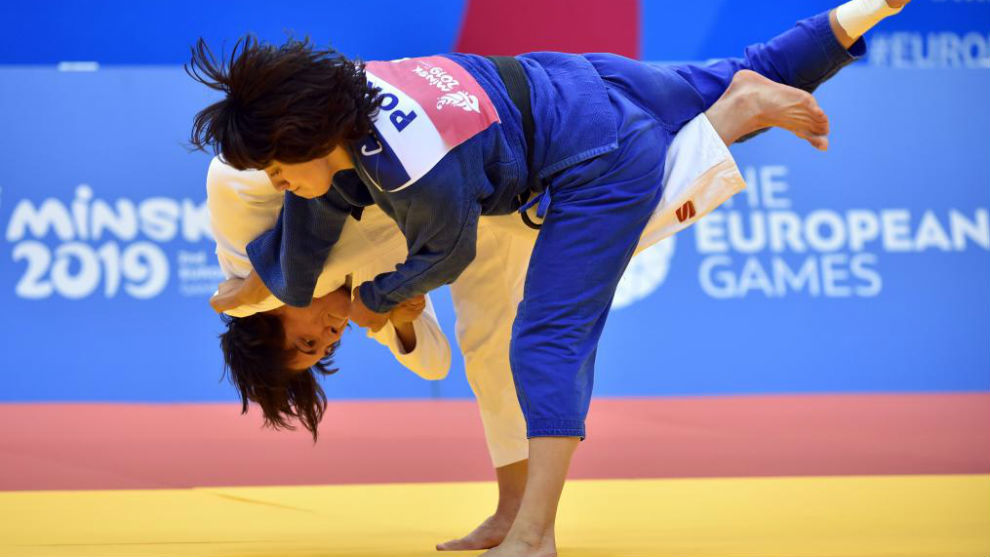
516, 84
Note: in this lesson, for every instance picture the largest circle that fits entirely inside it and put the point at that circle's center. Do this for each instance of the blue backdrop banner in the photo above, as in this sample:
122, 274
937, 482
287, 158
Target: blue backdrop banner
865, 268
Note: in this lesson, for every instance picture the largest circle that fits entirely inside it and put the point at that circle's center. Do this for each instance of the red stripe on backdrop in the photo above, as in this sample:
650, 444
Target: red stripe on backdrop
116, 446
510, 27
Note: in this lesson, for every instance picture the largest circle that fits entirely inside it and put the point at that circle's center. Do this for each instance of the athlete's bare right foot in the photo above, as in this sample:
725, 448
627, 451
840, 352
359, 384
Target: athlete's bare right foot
753, 102
545, 546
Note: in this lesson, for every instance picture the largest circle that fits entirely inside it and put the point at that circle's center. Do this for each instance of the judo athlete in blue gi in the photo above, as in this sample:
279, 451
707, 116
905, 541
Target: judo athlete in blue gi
439, 141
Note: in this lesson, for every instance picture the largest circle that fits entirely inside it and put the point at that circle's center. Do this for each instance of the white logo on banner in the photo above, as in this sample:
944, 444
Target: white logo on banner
437, 77
114, 245
645, 273
769, 249
933, 50
824, 252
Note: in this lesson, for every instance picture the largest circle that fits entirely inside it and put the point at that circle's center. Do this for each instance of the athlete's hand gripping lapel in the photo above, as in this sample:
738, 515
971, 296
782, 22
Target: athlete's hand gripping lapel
365, 317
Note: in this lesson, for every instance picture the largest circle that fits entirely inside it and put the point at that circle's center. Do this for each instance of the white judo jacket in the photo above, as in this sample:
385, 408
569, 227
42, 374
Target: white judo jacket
244, 204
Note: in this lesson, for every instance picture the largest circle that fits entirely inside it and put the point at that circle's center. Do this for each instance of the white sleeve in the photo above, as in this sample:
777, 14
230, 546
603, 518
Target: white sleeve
430, 359
241, 205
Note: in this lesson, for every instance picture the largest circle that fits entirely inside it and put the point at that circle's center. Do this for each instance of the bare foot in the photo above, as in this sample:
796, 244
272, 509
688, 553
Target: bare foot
489, 534
547, 547
897, 4
782, 106
753, 102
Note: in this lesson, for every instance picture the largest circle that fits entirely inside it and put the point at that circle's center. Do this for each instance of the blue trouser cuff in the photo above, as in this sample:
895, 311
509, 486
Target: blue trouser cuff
554, 428
821, 28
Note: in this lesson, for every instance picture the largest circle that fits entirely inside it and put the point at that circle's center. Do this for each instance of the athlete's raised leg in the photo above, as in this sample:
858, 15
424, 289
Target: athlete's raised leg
567, 300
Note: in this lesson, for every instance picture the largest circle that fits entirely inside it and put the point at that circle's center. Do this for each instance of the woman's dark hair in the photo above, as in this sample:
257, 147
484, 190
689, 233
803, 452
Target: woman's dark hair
256, 362
292, 103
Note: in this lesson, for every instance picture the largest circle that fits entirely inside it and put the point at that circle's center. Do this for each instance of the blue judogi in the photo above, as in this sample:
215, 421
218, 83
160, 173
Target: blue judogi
602, 127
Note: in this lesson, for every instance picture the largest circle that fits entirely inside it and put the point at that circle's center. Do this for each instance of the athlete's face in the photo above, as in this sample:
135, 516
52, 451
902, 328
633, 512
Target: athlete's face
309, 179
311, 332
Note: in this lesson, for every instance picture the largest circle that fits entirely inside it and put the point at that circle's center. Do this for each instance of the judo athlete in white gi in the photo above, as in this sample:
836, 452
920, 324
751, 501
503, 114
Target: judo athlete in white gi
603, 125
242, 205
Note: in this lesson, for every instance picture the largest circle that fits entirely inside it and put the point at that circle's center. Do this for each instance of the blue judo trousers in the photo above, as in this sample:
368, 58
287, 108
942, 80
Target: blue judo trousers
599, 208
603, 124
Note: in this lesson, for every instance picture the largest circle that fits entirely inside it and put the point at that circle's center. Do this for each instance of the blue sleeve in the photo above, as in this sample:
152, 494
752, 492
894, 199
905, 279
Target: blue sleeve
804, 56
439, 217
290, 257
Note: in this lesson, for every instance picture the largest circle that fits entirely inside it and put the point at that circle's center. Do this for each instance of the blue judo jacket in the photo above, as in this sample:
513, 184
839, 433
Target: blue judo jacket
480, 167
448, 146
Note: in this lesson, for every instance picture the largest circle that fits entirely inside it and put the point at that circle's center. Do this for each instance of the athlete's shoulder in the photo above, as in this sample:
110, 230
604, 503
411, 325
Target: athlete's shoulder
253, 185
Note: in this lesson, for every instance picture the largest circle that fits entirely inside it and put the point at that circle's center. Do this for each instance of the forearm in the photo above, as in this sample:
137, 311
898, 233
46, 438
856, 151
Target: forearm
840, 34
250, 291
419, 345
439, 251
406, 334
290, 257
416, 277
850, 20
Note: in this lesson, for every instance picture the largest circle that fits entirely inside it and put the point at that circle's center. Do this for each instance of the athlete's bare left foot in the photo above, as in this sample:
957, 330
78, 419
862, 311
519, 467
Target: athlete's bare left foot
753, 102
489, 534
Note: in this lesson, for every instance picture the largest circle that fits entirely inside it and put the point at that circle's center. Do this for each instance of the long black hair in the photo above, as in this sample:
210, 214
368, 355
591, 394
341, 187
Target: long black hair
291, 103
256, 362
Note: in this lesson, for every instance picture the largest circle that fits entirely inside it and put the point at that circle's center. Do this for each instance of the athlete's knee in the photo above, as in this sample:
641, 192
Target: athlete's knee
676, 100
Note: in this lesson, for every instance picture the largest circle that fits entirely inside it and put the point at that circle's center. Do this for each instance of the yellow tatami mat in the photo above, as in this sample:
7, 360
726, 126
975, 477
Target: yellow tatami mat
895, 516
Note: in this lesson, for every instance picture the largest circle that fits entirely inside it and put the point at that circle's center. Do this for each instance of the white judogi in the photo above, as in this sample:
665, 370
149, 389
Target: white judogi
699, 170
242, 205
